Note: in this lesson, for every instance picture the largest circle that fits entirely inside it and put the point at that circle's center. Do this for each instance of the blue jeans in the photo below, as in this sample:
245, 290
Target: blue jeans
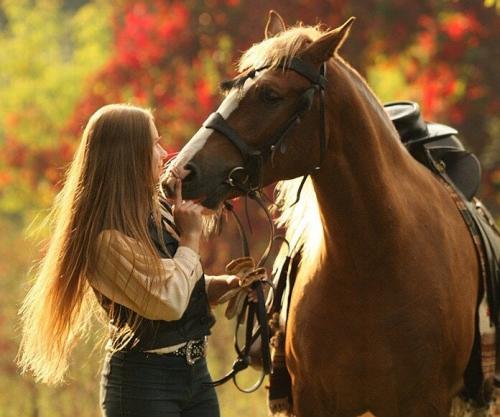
141, 384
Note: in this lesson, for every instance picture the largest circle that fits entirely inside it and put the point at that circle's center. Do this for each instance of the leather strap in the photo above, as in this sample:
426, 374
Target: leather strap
216, 122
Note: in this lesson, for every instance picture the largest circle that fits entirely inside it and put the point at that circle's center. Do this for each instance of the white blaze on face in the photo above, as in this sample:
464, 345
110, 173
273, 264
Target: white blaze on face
197, 142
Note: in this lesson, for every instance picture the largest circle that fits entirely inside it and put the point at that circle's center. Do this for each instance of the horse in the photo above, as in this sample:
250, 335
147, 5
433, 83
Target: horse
381, 318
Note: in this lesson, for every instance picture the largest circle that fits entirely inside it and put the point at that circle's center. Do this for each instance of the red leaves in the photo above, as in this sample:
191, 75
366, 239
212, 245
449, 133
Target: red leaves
461, 30
458, 25
204, 95
437, 86
34, 164
165, 52
177, 21
149, 30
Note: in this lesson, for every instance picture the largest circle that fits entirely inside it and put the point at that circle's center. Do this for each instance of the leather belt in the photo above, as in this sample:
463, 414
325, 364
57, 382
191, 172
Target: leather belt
192, 351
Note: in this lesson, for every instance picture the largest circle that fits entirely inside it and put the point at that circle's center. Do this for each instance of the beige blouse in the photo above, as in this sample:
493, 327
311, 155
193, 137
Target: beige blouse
121, 274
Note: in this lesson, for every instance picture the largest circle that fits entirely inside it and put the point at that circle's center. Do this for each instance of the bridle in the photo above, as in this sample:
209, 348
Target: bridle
247, 178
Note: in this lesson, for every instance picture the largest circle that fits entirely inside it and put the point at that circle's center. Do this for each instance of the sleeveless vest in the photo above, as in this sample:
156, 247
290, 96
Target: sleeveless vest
152, 334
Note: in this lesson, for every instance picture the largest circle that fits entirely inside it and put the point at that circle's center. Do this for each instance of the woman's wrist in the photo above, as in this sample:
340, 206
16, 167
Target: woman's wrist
192, 241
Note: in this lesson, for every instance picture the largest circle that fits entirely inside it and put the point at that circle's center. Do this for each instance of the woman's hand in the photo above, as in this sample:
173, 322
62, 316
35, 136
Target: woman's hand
221, 284
188, 218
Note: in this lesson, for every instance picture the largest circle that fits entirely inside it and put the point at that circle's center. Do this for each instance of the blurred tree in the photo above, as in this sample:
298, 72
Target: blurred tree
47, 52
492, 3
442, 54
46, 55
61, 60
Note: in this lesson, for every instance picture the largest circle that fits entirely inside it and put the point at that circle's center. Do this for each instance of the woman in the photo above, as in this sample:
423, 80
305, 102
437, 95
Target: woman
116, 241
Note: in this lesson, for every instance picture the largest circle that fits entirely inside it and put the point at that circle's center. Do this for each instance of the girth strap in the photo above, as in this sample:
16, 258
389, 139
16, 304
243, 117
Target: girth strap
486, 239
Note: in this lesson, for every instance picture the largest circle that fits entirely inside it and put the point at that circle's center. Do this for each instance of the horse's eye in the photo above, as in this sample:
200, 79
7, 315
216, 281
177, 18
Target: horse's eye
268, 95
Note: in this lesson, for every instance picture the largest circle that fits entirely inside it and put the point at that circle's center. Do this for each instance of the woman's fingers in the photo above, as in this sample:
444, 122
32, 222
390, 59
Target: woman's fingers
252, 295
188, 204
187, 214
178, 192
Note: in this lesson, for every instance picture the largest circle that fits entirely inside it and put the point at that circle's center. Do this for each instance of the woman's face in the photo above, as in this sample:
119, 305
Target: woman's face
159, 154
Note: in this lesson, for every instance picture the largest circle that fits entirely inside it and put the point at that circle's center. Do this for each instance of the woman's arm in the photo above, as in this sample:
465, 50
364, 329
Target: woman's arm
126, 275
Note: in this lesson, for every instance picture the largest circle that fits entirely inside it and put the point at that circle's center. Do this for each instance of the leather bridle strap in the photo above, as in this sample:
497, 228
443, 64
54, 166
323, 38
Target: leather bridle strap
216, 122
307, 71
303, 105
254, 157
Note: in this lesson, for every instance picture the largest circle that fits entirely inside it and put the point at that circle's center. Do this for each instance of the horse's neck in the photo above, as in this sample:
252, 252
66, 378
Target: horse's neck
360, 131
360, 183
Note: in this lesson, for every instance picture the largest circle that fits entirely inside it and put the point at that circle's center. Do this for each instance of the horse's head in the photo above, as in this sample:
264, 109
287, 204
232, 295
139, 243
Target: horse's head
271, 125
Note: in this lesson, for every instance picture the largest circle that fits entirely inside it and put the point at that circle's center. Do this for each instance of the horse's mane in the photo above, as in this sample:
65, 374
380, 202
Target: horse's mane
301, 221
272, 51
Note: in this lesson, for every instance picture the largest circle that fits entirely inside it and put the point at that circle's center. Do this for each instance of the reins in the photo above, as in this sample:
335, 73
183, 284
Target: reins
248, 180
255, 313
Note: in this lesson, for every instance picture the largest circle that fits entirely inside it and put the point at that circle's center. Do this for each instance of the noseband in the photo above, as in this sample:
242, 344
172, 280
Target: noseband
248, 177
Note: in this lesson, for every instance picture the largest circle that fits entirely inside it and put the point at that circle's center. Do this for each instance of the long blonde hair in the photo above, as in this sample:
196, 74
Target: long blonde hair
109, 185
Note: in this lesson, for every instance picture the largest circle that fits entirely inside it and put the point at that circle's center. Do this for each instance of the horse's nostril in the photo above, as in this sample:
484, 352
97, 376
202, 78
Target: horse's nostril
193, 173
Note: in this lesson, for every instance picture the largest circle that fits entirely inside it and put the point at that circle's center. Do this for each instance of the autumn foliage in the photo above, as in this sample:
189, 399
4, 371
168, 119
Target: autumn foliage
171, 55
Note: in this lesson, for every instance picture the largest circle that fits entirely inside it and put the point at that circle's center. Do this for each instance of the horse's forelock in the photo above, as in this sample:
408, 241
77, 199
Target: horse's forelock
271, 52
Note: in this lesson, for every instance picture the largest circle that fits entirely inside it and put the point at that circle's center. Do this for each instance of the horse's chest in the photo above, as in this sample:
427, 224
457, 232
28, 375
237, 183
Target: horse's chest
358, 333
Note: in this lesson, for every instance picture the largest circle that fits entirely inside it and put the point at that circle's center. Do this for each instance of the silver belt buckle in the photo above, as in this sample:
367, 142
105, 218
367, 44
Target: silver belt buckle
189, 351
189, 359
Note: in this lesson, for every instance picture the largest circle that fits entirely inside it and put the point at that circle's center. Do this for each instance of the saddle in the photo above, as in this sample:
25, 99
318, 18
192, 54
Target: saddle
440, 141
438, 148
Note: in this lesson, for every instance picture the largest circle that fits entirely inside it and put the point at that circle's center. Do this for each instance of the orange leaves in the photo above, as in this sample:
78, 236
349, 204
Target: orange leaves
6, 178
15, 152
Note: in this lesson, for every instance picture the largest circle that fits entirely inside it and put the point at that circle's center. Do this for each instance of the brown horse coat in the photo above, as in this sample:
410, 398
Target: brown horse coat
382, 314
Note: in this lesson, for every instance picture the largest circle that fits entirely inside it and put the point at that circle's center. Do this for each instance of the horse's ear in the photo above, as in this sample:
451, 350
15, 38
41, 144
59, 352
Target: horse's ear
325, 47
275, 24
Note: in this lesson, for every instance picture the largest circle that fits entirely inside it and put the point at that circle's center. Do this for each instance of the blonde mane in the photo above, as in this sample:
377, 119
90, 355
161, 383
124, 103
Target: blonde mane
272, 51
301, 220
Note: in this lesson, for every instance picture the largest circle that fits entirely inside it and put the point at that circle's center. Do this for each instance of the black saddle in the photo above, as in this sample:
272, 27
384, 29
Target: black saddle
440, 142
